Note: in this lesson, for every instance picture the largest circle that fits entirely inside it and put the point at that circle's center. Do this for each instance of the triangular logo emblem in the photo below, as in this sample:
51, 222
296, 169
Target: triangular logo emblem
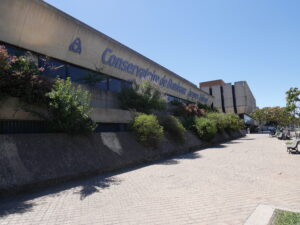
75, 46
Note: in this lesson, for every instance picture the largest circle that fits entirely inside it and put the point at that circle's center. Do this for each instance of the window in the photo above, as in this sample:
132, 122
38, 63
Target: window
103, 83
87, 77
126, 84
14, 51
170, 98
175, 99
78, 74
53, 68
116, 85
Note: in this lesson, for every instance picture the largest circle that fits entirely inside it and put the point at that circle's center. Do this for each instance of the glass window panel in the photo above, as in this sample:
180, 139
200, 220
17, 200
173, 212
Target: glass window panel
14, 51
79, 75
103, 82
87, 77
114, 85
52, 68
126, 84
170, 98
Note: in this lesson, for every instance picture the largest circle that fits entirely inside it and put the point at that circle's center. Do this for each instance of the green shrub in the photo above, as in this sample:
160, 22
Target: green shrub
235, 123
187, 114
173, 127
143, 98
205, 128
147, 130
226, 122
220, 119
69, 108
188, 122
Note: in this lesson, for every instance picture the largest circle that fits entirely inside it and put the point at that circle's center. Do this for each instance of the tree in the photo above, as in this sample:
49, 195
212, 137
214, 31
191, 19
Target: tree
278, 116
271, 116
69, 108
260, 115
293, 103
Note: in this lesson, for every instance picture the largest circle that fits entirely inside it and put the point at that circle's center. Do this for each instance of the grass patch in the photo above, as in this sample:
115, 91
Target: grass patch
286, 218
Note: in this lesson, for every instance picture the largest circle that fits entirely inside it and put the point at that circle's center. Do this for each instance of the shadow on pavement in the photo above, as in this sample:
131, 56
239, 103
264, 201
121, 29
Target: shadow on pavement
96, 185
224, 145
15, 207
21, 203
176, 160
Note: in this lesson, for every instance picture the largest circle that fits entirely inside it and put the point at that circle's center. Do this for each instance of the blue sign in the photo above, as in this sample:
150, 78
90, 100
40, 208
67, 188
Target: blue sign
75, 46
119, 63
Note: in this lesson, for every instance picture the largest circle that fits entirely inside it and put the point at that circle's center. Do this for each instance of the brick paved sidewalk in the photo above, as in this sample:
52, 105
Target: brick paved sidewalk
217, 186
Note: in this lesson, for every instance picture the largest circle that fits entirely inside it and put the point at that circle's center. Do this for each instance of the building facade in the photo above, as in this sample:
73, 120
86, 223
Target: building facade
76, 50
230, 98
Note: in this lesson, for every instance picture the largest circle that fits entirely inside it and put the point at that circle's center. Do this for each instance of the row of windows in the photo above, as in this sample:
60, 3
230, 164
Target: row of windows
171, 98
55, 68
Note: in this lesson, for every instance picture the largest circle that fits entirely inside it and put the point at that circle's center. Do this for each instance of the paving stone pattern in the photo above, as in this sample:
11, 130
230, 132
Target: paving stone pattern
221, 185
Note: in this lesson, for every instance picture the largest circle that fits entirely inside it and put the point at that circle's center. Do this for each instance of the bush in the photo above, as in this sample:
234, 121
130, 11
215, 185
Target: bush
226, 122
143, 98
4, 60
220, 119
188, 122
207, 108
20, 77
187, 114
190, 110
173, 127
235, 123
69, 108
205, 128
147, 130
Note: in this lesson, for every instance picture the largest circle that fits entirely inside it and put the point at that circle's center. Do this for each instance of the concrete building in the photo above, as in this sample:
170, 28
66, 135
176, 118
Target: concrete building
58, 40
230, 98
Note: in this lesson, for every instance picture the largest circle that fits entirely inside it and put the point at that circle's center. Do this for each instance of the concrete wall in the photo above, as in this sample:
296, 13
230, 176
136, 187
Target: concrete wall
206, 89
228, 98
33, 160
245, 101
12, 109
39, 27
216, 92
103, 99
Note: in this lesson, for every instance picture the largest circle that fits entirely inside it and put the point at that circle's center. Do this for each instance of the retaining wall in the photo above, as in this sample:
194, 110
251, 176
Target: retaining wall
32, 160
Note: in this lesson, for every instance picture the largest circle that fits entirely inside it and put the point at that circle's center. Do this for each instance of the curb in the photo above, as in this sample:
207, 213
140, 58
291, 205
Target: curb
263, 214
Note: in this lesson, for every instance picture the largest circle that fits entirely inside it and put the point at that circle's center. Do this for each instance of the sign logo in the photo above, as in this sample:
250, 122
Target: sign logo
75, 46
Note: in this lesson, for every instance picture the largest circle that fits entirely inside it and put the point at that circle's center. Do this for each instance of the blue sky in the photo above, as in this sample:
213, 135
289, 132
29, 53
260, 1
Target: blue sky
253, 40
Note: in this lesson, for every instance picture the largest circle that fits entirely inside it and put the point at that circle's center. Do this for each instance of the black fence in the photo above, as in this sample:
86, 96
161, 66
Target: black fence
111, 127
30, 127
23, 127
